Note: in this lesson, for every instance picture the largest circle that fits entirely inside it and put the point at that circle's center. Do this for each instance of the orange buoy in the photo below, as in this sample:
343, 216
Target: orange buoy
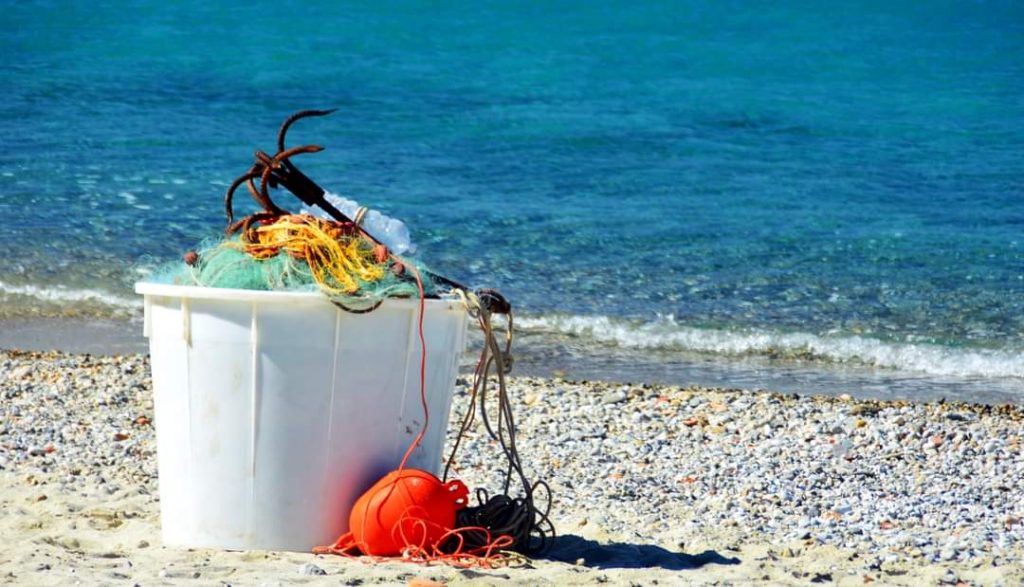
407, 507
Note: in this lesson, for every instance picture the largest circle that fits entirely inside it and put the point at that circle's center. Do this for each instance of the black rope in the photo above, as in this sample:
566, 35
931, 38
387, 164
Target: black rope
531, 529
373, 306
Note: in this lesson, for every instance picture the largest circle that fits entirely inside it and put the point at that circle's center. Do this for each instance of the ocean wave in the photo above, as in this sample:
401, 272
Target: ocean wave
665, 333
63, 295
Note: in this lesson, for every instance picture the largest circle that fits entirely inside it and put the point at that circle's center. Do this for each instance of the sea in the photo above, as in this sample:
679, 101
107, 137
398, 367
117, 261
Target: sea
809, 197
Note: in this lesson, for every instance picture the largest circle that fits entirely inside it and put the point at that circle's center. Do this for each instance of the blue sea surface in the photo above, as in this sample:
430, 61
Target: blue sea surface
804, 195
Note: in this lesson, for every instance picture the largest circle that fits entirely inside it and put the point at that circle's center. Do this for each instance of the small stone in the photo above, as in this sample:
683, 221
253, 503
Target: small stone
864, 410
311, 569
614, 397
142, 544
842, 448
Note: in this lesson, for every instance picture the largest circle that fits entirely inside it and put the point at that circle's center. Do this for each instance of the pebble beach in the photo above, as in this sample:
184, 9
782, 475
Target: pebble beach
651, 484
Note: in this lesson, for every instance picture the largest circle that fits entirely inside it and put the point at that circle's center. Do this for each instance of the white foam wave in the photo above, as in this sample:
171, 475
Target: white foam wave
667, 334
62, 295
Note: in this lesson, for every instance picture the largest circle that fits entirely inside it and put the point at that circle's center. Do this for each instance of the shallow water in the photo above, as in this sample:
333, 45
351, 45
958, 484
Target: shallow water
836, 187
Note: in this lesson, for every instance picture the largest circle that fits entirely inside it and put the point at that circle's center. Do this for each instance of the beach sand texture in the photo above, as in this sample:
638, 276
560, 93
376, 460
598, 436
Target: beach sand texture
652, 484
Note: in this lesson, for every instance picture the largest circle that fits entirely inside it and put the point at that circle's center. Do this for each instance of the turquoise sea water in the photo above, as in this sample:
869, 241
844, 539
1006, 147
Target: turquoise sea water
801, 195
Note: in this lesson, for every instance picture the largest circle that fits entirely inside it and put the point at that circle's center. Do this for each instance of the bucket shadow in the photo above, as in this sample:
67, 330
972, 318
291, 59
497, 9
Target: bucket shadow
621, 555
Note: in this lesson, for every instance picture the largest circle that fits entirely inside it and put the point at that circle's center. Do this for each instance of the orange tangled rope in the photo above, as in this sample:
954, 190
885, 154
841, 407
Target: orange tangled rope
337, 254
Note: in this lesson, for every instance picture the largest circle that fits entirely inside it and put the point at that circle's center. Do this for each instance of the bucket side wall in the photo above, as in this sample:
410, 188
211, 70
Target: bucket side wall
272, 418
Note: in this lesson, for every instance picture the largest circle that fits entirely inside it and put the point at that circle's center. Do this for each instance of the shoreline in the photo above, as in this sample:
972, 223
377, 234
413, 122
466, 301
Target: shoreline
552, 355
97, 336
651, 482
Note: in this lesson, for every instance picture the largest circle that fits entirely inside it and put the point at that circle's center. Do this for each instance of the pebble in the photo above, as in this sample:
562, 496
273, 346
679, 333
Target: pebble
311, 569
179, 574
614, 397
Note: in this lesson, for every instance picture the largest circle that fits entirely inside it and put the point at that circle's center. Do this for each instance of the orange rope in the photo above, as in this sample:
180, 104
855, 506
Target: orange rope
337, 256
423, 364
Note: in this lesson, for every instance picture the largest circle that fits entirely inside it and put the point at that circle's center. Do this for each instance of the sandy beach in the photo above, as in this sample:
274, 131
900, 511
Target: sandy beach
652, 485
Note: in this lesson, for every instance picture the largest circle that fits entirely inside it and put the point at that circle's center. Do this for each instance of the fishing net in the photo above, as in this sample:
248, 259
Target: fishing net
299, 252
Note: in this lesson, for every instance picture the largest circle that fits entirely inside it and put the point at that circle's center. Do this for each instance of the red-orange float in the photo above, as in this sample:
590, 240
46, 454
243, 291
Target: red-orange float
406, 508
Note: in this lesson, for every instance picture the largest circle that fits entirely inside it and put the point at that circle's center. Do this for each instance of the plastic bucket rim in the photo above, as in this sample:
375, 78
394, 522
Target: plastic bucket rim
149, 288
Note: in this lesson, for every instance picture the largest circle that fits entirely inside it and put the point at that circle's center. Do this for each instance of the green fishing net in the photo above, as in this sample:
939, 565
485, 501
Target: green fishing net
223, 263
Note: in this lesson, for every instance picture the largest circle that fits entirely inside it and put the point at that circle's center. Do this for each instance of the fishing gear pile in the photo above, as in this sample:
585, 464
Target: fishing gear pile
409, 513
274, 250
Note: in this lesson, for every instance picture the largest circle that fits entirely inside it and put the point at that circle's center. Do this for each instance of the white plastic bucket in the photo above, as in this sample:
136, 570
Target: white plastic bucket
276, 410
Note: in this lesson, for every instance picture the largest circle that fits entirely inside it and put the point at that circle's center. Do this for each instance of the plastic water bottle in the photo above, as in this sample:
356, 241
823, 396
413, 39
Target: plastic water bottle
391, 232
